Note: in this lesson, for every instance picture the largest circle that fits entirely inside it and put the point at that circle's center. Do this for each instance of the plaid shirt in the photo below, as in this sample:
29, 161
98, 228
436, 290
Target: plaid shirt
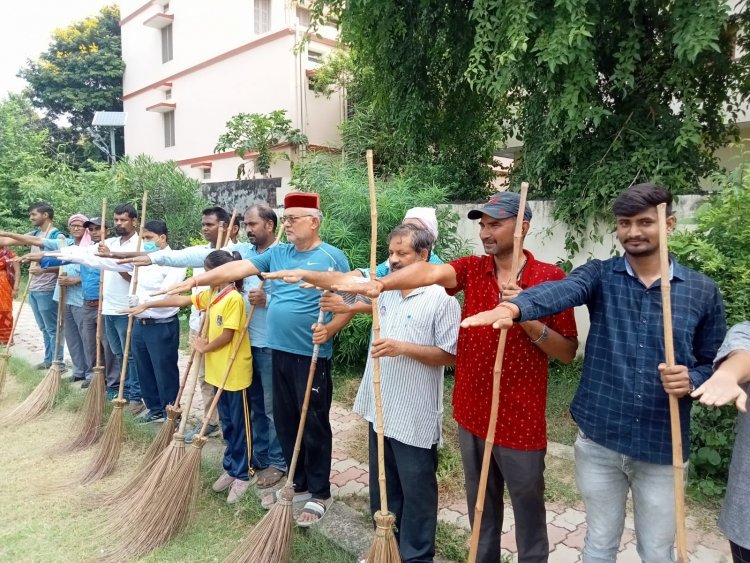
620, 402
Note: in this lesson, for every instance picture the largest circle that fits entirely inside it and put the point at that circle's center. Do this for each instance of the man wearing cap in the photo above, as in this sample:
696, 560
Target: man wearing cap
520, 435
292, 320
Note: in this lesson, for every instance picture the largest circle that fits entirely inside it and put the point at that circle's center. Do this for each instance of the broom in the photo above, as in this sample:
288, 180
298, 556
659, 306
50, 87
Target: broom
5, 356
270, 540
384, 547
110, 446
90, 416
171, 501
497, 371
43, 396
674, 407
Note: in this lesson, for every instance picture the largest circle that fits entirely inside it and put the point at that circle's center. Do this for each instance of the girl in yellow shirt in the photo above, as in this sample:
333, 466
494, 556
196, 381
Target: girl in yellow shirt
226, 323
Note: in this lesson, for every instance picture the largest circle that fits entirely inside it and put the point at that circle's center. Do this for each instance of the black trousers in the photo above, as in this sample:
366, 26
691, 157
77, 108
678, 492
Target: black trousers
411, 488
155, 348
289, 382
234, 414
739, 554
523, 472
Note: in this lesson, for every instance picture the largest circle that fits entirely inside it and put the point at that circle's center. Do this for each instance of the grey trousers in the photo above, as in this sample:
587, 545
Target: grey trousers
88, 334
523, 473
74, 339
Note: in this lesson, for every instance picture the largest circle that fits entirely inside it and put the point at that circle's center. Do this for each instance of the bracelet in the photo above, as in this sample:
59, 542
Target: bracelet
543, 336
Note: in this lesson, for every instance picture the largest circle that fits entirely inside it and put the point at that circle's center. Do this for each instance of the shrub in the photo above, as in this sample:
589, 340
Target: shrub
719, 246
344, 194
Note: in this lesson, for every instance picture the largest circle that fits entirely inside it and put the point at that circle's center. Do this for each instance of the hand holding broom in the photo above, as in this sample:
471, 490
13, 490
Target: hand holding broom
497, 371
674, 407
384, 548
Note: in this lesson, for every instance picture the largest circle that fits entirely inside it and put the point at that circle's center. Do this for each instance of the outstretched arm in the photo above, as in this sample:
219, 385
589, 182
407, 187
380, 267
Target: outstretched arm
223, 274
416, 275
733, 371
171, 301
15, 239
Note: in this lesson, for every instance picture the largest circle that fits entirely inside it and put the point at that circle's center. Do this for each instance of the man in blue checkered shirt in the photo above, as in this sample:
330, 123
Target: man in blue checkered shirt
622, 406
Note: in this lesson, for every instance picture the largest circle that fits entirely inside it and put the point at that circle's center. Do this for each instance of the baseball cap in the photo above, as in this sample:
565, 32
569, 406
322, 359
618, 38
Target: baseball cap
501, 206
95, 221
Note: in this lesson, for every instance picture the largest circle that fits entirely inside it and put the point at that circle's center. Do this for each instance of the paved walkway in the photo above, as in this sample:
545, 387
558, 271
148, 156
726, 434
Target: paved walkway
566, 525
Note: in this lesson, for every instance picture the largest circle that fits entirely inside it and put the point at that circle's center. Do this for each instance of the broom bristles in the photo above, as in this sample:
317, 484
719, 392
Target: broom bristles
41, 398
384, 547
170, 513
4, 360
270, 540
89, 421
110, 446
162, 439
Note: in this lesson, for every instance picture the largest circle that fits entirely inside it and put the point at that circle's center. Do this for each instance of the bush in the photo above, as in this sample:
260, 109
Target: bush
344, 194
719, 246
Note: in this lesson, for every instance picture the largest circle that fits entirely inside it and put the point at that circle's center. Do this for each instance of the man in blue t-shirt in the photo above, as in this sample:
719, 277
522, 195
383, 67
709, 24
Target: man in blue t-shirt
293, 331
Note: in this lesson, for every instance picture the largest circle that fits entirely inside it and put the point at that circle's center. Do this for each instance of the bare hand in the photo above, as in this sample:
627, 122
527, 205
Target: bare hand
182, 287
320, 333
510, 291
257, 297
386, 347
35, 270
133, 311
199, 344
675, 380
288, 276
721, 389
137, 260
103, 250
30, 257
333, 303
499, 317
67, 281
361, 286
15, 292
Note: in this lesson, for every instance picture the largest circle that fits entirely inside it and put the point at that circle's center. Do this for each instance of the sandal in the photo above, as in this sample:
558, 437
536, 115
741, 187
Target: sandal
269, 477
316, 507
269, 500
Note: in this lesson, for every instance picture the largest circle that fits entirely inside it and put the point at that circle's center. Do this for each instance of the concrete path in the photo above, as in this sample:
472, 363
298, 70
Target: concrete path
566, 525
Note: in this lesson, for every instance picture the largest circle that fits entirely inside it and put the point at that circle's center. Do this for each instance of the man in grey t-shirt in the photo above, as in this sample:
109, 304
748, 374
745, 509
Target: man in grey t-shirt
731, 383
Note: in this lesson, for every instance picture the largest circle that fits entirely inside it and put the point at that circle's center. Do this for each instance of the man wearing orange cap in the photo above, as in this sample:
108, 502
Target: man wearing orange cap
293, 331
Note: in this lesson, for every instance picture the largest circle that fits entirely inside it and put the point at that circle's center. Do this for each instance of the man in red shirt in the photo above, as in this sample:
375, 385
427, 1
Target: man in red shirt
520, 436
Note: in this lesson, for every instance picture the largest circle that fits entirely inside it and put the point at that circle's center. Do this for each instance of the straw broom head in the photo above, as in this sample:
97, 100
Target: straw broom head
110, 446
385, 548
41, 398
90, 416
270, 540
4, 359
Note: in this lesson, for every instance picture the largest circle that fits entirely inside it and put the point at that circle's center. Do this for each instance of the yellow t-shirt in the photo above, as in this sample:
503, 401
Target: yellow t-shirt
227, 311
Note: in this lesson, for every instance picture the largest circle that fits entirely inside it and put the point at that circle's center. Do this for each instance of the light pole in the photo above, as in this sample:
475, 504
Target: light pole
110, 119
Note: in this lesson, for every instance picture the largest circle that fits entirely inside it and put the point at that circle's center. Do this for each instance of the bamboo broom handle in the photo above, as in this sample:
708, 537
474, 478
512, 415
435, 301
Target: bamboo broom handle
236, 348
60, 308
228, 236
102, 238
376, 336
220, 236
674, 407
24, 296
189, 366
496, 375
133, 288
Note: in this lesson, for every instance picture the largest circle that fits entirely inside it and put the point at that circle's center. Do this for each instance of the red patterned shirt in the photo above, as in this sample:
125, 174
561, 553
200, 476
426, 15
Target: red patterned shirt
521, 422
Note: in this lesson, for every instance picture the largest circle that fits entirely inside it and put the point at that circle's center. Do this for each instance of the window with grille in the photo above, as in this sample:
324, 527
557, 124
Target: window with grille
166, 43
168, 128
262, 16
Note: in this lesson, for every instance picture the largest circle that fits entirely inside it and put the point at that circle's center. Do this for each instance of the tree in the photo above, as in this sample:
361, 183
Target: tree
259, 133
601, 93
79, 73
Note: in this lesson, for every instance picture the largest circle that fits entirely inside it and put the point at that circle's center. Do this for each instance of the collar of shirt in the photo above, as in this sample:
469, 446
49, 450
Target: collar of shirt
625, 266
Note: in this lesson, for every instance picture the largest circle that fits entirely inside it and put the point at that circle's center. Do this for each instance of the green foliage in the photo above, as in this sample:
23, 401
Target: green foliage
718, 246
343, 188
608, 93
258, 132
79, 73
410, 99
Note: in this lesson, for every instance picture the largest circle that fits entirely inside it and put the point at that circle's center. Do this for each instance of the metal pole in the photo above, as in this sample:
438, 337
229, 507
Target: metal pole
112, 144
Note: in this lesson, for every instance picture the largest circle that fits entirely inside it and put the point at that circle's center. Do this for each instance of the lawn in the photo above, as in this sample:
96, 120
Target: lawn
46, 523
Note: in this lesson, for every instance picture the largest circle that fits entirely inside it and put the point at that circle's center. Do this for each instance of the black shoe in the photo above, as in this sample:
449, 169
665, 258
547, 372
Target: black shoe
151, 417
86, 384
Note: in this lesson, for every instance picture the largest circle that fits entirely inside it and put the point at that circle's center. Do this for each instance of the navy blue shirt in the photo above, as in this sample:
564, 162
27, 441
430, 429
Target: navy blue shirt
620, 402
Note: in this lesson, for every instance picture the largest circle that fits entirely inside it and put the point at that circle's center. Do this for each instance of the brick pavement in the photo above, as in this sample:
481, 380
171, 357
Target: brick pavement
566, 525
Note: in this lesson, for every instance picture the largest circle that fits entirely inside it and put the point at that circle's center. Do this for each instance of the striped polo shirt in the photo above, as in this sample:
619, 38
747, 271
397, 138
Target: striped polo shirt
412, 392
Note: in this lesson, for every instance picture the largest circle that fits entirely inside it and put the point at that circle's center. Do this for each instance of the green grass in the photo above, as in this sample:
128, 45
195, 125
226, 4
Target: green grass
53, 523
563, 382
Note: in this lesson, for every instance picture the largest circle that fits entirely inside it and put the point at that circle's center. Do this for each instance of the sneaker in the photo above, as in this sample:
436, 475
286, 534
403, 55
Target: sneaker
112, 392
212, 430
224, 481
135, 407
238, 488
150, 416
86, 384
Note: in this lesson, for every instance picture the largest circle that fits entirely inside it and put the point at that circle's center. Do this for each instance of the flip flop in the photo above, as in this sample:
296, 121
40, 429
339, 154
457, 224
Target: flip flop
269, 500
316, 507
269, 477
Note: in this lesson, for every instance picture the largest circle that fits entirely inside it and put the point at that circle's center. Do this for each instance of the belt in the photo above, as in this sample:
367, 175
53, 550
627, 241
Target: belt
146, 322
91, 302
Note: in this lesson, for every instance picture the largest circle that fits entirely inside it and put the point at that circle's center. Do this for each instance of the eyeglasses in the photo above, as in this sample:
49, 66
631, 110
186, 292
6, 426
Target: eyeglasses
76, 227
292, 219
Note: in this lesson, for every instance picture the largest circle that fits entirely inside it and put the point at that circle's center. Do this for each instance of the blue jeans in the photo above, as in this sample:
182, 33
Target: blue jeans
233, 407
266, 447
45, 313
117, 330
154, 347
604, 478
